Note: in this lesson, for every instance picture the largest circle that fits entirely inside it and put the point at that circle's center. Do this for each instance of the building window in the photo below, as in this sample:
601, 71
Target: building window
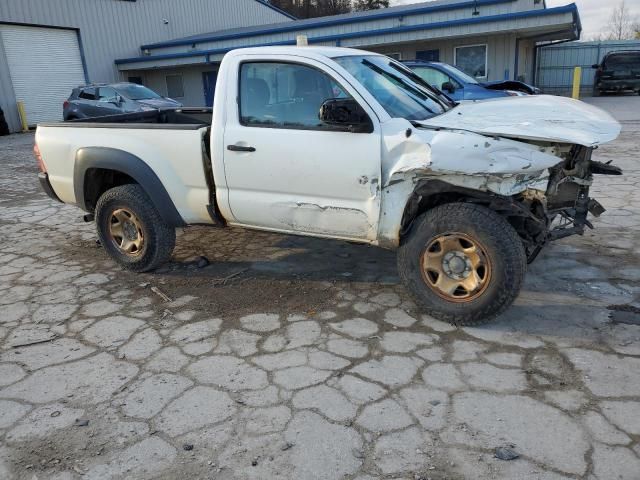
136, 79
175, 88
472, 59
428, 55
395, 56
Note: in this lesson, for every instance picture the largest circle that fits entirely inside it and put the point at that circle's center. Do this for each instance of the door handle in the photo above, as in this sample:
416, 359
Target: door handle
239, 148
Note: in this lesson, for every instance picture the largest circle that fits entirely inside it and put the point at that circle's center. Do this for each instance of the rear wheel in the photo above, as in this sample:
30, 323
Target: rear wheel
131, 230
463, 263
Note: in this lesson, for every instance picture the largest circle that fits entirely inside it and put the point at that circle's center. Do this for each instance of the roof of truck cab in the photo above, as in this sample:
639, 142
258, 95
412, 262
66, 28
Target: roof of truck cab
329, 52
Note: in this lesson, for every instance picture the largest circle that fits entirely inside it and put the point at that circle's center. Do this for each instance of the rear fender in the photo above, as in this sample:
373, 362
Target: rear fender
124, 162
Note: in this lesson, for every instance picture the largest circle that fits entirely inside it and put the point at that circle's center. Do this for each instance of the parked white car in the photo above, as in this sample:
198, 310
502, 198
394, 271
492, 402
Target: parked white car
343, 144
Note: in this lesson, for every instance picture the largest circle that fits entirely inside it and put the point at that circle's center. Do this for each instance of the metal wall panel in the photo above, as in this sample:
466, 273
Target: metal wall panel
191, 78
555, 64
375, 25
111, 29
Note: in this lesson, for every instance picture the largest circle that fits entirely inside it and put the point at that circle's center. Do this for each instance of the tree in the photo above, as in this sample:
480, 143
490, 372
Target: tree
322, 8
362, 5
621, 23
333, 7
313, 8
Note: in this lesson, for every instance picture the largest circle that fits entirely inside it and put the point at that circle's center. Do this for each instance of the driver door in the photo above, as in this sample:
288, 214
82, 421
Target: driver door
286, 170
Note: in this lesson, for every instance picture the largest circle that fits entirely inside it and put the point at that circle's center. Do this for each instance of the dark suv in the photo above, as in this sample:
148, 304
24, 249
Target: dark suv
113, 99
618, 71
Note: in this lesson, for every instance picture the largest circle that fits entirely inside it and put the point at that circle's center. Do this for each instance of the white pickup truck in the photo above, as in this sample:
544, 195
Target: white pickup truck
343, 144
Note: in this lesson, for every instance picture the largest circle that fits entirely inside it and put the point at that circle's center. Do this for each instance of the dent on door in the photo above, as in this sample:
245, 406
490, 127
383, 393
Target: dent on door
325, 218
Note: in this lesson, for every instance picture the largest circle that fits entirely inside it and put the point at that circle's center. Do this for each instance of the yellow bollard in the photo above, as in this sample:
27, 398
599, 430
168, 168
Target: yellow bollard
577, 76
23, 117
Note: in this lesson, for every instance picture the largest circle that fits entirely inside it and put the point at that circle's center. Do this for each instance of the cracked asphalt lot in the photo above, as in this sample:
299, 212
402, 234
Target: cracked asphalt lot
296, 358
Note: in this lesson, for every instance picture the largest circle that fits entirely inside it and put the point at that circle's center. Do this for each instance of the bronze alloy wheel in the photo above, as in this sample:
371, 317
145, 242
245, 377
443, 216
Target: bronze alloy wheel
125, 231
456, 267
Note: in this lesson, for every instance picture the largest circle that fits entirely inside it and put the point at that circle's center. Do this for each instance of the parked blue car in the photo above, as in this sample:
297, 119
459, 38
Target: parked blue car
460, 86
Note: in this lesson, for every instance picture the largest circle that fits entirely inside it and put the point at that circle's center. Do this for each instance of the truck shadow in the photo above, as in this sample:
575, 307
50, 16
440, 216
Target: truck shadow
278, 257
563, 296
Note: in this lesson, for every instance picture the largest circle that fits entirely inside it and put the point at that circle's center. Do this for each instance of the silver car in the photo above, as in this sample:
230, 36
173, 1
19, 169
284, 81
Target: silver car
113, 99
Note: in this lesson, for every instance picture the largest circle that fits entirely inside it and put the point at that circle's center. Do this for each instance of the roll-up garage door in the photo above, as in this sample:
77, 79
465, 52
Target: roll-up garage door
45, 65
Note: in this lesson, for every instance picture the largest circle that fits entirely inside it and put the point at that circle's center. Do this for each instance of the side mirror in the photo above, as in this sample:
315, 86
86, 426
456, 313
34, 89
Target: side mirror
448, 87
345, 112
595, 66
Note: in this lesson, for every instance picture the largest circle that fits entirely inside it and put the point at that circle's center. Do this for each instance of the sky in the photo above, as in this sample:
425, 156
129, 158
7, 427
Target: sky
593, 13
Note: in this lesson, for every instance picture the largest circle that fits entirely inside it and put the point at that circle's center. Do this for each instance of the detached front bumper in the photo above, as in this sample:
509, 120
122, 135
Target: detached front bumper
46, 186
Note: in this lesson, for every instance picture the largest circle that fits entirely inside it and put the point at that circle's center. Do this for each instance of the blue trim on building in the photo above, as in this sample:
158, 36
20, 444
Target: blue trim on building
571, 8
326, 22
272, 7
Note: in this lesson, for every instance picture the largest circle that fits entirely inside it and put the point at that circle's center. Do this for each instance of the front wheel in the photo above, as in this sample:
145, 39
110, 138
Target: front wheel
463, 263
131, 230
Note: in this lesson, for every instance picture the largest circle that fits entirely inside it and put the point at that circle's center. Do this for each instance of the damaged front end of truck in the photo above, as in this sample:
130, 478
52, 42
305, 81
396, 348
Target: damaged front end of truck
536, 172
541, 207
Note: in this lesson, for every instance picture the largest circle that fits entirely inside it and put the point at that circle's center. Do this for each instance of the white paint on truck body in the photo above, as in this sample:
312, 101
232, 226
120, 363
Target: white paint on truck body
341, 185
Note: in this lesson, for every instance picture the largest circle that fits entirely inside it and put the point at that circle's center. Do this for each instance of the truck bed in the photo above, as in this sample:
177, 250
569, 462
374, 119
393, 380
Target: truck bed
172, 143
169, 119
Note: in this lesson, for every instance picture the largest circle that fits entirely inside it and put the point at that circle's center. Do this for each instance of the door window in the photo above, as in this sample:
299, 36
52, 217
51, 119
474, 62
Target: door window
432, 76
88, 94
472, 59
107, 95
284, 95
175, 88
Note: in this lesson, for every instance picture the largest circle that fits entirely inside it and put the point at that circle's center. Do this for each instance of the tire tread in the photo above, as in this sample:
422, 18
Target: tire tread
162, 239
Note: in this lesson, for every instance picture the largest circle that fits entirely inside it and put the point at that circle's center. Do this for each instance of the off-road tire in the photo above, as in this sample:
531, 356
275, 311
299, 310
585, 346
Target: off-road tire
160, 238
502, 246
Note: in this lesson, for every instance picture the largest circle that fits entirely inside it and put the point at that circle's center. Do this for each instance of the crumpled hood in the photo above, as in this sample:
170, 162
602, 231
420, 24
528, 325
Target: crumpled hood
540, 117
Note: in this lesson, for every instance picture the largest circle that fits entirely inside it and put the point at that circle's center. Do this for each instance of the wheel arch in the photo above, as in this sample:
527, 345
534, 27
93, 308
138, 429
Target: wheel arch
432, 193
98, 169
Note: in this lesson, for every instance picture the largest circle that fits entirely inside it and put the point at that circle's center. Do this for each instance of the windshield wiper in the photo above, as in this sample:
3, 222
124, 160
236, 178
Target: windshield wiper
408, 87
415, 77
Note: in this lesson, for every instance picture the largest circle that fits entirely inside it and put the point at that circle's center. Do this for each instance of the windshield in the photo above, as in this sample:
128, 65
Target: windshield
460, 75
623, 60
136, 92
402, 93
